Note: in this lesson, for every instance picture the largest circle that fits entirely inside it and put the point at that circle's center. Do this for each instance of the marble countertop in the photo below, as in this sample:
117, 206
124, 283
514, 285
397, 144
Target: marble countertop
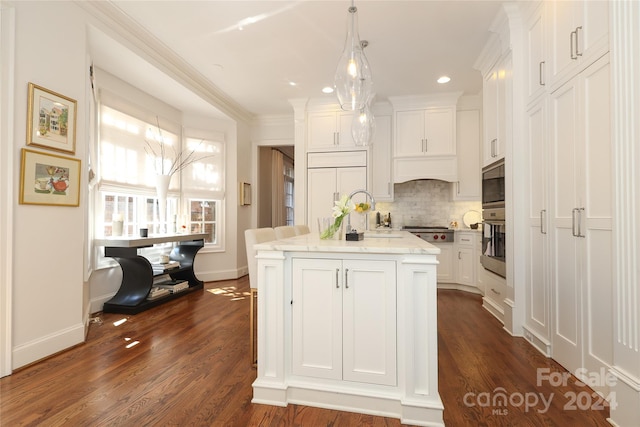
375, 241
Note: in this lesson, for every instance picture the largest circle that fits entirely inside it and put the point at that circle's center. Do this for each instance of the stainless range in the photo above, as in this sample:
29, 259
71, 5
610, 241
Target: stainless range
432, 234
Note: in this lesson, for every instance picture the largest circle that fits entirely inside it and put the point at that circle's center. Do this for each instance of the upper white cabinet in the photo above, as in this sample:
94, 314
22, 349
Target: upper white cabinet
496, 92
468, 186
424, 144
381, 178
425, 132
579, 34
536, 53
329, 130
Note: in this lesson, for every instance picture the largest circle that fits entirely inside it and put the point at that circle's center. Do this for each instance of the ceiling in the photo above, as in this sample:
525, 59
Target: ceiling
411, 44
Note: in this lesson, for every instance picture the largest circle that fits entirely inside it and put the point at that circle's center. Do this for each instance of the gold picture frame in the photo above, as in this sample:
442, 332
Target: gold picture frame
245, 194
51, 120
49, 179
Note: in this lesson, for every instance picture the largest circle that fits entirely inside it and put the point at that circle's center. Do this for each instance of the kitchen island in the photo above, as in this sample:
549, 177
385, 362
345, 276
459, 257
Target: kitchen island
350, 325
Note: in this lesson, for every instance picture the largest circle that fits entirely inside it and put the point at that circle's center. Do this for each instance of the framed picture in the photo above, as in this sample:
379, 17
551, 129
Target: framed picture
49, 179
245, 193
51, 120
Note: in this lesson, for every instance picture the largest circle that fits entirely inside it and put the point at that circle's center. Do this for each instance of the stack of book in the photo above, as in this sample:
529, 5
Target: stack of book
156, 293
159, 268
173, 286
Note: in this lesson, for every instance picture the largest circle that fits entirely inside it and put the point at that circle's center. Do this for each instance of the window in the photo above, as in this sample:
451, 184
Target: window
288, 191
129, 159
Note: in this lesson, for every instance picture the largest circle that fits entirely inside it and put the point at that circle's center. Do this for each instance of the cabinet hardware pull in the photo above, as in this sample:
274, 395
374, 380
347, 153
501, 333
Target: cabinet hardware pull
337, 278
459, 255
426, 145
571, 38
543, 214
541, 73
580, 215
578, 53
494, 143
575, 233
495, 292
458, 187
346, 278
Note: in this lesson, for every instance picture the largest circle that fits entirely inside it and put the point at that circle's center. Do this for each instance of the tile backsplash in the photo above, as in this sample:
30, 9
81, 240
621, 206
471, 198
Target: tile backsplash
425, 202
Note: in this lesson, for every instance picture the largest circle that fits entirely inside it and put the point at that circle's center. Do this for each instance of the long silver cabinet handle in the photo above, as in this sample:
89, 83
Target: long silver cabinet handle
543, 214
578, 53
574, 222
346, 278
571, 48
426, 145
580, 215
459, 255
337, 278
541, 73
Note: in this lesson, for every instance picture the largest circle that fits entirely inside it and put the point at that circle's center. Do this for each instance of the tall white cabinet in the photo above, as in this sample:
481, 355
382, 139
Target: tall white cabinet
568, 280
581, 219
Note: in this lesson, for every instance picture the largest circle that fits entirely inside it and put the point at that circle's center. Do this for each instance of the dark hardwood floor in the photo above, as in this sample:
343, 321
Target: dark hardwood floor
187, 363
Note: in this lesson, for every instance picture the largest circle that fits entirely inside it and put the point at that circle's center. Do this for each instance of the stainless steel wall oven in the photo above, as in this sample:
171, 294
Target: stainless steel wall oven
493, 256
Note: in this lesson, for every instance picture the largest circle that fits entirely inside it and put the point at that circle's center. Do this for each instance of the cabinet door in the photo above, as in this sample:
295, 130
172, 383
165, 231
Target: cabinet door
321, 194
317, 318
349, 180
505, 107
321, 132
468, 186
566, 309
537, 283
562, 40
409, 133
439, 133
369, 316
536, 62
445, 266
466, 264
381, 178
490, 115
345, 122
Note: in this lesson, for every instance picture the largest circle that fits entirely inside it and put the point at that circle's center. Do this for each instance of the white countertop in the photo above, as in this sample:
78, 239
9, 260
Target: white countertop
380, 242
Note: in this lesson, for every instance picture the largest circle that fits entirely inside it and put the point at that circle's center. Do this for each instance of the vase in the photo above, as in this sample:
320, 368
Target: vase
162, 188
330, 228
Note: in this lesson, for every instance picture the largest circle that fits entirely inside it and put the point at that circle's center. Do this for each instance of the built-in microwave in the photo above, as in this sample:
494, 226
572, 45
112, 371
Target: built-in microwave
493, 256
493, 185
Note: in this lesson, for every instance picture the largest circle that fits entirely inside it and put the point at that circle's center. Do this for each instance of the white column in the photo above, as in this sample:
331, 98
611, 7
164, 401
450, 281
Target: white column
625, 66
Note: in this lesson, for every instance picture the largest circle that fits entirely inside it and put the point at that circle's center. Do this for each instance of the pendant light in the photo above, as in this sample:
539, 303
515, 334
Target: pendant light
363, 126
353, 76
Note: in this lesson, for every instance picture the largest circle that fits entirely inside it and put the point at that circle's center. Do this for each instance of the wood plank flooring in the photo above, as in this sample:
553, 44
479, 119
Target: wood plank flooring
187, 363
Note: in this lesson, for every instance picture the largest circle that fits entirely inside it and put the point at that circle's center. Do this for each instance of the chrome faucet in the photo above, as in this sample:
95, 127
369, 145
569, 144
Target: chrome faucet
372, 207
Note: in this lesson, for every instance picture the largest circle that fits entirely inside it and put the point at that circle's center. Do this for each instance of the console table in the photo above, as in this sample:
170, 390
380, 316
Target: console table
137, 272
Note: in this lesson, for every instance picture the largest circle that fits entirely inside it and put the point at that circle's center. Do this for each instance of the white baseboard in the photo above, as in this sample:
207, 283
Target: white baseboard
40, 348
491, 307
460, 287
538, 342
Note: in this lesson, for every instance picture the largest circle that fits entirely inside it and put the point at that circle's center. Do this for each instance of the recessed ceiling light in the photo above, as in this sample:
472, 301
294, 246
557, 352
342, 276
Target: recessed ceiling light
293, 83
444, 79
327, 89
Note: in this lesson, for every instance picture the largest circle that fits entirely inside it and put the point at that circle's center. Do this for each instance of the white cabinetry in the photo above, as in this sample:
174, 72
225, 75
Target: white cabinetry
581, 219
381, 179
424, 144
329, 176
466, 261
495, 291
329, 130
579, 34
446, 268
468, 186
425, 132
537, 266
344, 320
497, 109
536, 52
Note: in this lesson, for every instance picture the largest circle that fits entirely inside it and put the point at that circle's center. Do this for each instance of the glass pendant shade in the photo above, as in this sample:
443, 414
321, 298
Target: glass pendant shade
363, 126
353, 75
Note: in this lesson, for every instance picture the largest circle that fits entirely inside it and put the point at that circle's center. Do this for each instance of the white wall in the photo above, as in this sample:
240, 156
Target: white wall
48, 254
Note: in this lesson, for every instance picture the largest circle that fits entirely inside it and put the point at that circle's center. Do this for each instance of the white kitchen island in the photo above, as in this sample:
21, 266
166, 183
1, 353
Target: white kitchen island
350, 325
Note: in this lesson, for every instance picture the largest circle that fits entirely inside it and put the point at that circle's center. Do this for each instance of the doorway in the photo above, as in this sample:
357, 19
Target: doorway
276, 176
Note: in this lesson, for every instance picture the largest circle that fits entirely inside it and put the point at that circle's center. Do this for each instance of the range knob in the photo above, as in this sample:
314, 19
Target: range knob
443, 237
435, 237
